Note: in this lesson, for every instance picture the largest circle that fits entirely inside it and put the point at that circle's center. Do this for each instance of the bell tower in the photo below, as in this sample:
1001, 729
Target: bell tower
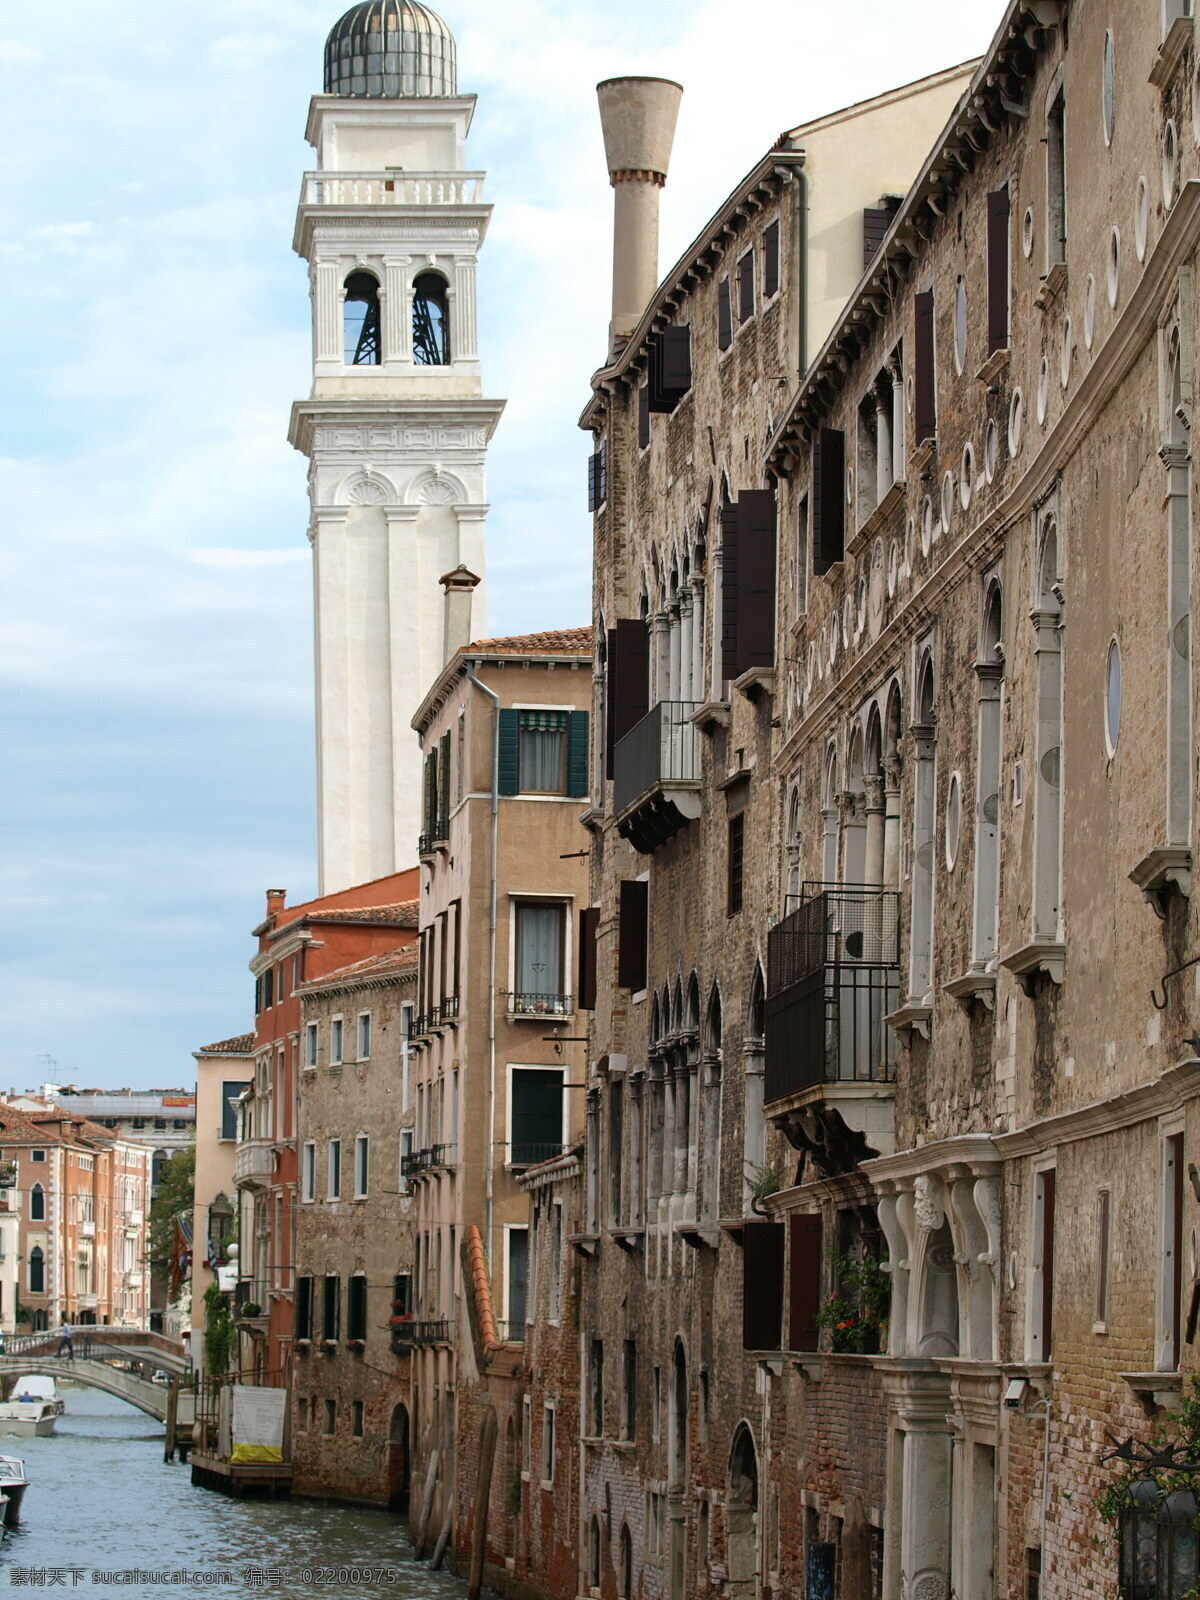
396, 429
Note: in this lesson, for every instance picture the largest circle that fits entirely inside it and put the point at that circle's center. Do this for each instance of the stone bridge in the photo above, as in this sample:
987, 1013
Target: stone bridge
102, 1361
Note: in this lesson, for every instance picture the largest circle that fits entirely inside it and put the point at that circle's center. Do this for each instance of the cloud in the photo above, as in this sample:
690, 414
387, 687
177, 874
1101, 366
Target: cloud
14, 53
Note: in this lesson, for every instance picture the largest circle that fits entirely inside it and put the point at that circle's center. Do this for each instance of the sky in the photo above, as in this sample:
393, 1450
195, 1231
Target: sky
156, 725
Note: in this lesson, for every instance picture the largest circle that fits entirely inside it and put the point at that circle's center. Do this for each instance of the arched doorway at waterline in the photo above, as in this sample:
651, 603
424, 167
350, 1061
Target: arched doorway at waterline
741, 1517
398, 1460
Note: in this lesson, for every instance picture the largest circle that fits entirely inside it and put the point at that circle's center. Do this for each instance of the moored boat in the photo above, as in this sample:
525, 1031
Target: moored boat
13, 1484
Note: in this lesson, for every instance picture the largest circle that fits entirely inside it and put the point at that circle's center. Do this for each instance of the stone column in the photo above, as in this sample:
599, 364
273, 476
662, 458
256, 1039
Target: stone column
395, 311
686, 688
920, 969
674, 657
987, 813
883, 438
660, 657
464, 337
699, 690
891, 822
1177, 460
899, 468
1047, 778
328, 300
873, 860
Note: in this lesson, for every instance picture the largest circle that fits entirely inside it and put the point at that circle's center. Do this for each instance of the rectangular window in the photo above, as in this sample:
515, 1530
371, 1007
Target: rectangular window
362, 1147
268, 989
643, 416
40, 1155
310, 1044
1042, 1299
308, 1171
302, 1414
745, 286
802, 556
998, 247
828, 499
595, 1394
736, 857
542, 752
556, 1235
304, 1307
547, 1444
535, 1115
334, 1172
356, 1309
924, 370
331, 1308
518, 1280
629, 1389
876, 222
1103, 1246
627, 688
748, 582
330, 1416
670, 368
406, 1150
656, 1404
1171, 1261
540, 930
402, 1301
762, 1285
804, 1281
229, 1116
364, 1036
724, 316
356, 1418
335, 1042
771, 260
633, 933
589, 927
1056, 183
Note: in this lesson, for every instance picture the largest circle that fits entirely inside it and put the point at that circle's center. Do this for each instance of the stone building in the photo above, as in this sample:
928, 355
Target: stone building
498, 1059
354, 1248
223, 1071
683, 1435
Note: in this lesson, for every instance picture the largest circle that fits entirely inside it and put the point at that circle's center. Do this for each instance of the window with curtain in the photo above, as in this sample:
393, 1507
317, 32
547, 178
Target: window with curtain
542, 752
539, 964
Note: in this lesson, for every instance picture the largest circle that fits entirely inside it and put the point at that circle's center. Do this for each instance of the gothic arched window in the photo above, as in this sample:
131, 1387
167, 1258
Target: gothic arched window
431, 321
37, 1203
37, 1270
360, 321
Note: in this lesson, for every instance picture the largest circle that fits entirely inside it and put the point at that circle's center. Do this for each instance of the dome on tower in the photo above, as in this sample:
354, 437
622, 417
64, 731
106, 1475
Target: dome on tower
389, 49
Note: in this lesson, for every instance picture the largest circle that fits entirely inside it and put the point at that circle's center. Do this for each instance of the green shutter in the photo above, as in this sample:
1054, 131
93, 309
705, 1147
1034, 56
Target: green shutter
510, 778
577, 754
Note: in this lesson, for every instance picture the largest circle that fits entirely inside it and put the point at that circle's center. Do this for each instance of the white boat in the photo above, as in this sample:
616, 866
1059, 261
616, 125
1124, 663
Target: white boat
35, 1386
32, 1408
13, 1484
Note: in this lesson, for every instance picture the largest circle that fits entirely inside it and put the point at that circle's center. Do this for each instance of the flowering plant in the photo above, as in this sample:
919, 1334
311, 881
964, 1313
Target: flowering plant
856, 1312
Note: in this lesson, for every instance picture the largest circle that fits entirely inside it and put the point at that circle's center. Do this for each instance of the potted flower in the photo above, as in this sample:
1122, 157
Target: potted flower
856, 1312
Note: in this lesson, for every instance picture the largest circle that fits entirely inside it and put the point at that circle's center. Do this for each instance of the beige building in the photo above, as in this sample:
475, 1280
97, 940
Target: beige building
223, 1070
354, 1234
497, 1061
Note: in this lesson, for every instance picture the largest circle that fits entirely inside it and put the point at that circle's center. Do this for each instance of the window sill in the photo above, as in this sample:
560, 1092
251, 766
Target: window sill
713, 714
993, 366
912, 1017
1171, 52
1053, 284
757, 682
584, 1244
922, 459
879, 517
1046, 956
973, 985
1162, 871
630, 1239
1156, 1390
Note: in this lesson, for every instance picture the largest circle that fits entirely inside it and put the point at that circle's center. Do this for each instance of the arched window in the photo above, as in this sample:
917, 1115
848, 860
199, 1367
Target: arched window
677, 1440
710, 1166
594, 1555
431, 321
924, 805
360, 321
626, 1575
37, 1203
741, 1517
989, 669
37, 1270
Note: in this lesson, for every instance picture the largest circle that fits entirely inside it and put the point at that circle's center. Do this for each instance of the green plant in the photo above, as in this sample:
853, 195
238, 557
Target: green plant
219, 1331
764, 1180
250, 1308
514, 1494
1185, 1438
856, 1313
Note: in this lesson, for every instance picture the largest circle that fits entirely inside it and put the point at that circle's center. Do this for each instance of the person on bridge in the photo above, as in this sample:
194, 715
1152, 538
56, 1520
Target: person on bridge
64, 1341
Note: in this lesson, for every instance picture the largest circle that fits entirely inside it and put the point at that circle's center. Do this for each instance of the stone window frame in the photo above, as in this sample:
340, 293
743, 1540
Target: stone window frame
363, 1036
308, 1172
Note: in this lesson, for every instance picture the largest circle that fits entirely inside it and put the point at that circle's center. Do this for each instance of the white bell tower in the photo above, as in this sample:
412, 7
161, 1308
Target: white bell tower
397, 429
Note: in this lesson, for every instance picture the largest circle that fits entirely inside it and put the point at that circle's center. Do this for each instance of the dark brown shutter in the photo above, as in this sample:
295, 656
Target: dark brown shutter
729, 590
828, 498
628, 669
762, 1285
876, 222
771, 260
632, 933
589, 923
745, 281
592, 502
724, 316
1176, 1145
670, 368
997, 268
610, 699
1048, 1188
804, 1281
643, 415
756, 579
925, 399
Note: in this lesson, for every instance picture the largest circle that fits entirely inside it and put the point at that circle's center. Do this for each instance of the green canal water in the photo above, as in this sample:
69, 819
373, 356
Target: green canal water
105, 1516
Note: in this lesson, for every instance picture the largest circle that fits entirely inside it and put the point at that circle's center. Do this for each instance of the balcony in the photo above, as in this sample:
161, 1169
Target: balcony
433, 1157
255, 1162
833, 975
511, 1332
448, 1011
656, 776
523, 1154
393, 188
8, 1174
133, 1221
87, 1230
522, 1003
406, 1334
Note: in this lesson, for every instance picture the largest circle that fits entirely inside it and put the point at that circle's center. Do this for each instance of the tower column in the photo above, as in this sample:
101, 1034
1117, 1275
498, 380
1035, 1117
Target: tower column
397, 319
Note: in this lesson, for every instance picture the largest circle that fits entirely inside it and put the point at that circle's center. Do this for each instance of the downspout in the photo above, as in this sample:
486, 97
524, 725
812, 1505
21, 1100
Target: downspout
489, 1177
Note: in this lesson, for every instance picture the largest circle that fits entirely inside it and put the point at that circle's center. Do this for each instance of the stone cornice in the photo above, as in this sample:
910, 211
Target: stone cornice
1157, 1098
973, 1150
379, 980
382, 411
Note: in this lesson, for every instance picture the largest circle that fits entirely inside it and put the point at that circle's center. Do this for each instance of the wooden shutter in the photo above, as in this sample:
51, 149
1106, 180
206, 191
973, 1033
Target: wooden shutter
771, 260
536, 1114
804, 1281
745, 281
304, 1308
997, 268
1048, 1189
876, 222
589, 926
631, 933
828, 498
724, 316
356, 1308
729, 590
670, 368
443, 797
629, 674
593, 468
577, 754
925, 398
762, 1285
756, 579
644, 415
602, 474
510, 774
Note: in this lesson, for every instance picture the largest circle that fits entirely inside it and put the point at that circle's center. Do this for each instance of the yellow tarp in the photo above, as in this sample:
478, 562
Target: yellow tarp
256, 1452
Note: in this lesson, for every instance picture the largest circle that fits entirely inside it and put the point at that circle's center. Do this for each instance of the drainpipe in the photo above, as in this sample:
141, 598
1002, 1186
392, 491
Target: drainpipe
491, 1111
1044, 1406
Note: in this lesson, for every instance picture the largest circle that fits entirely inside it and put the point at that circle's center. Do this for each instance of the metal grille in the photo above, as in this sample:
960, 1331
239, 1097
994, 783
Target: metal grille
664, 747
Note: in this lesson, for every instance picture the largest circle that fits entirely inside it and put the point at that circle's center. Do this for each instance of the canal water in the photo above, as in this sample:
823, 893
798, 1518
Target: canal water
105, 1516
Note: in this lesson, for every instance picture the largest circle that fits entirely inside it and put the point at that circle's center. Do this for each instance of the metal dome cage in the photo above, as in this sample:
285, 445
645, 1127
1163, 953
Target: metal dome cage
389, 49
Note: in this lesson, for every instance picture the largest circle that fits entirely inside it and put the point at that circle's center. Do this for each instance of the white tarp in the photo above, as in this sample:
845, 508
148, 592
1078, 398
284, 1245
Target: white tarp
258, 1416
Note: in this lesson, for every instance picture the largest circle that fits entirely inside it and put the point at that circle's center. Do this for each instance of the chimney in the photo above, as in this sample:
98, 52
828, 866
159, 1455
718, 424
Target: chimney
276, 900
460, 586
638, 117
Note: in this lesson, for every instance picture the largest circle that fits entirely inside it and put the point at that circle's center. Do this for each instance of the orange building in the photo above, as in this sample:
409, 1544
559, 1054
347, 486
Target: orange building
296, 945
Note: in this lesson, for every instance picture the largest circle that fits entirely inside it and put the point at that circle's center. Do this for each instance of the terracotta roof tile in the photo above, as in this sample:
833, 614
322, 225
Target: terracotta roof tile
402, 915
387, 964
241, 1045
565, 642
16, 1124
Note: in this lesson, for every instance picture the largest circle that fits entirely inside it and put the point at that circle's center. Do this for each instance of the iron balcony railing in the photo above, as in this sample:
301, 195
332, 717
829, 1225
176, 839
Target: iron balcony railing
663, 748
511, 1332
524, 1154
833, 975
449, 1008
406, 1334
523, 1003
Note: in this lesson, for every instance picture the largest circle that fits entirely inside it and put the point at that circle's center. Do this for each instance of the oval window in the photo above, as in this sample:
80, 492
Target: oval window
1108, 87
1112, 697
1170, 163
991, 450
1027, 233
1016, 422
966, 476
1089, 310
1141, 218
1043, 389
953, 820
960, 325
1114, 265
1065, 354
947, 501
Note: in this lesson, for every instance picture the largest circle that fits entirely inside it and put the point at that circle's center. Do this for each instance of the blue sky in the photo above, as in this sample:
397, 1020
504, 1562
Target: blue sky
155, 650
